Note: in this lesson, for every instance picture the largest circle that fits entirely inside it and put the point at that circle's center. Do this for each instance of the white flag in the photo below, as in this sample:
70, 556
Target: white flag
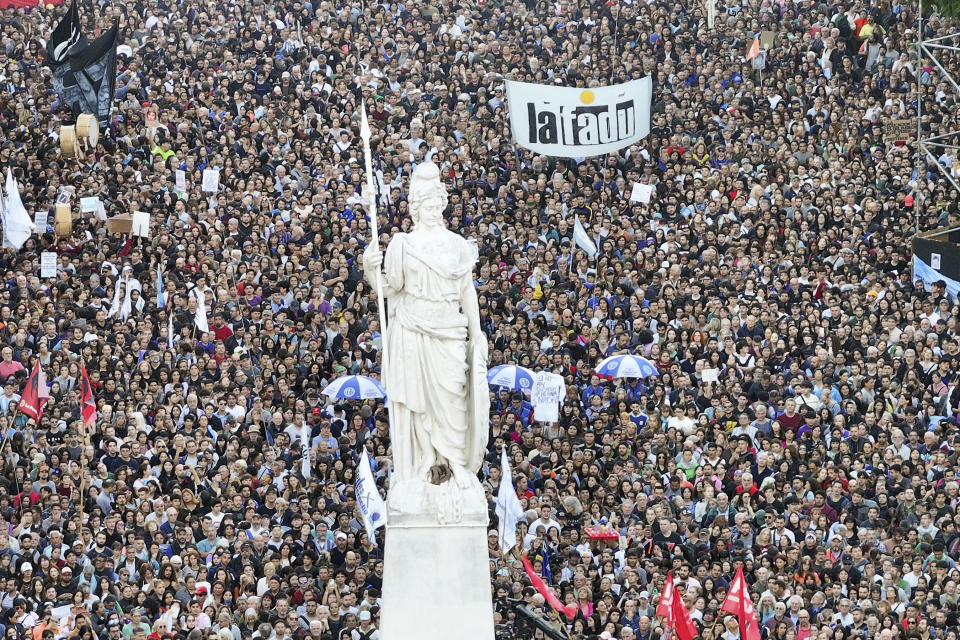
43, 391
17, 223
200, 317
509, 509
582, 238
306, 469
372, 506
305, 466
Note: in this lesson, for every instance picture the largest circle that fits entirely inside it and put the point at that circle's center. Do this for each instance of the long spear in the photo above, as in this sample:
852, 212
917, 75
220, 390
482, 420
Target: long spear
375, 233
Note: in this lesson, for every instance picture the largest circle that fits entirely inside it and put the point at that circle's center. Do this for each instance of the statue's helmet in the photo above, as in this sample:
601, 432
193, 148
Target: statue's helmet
426, 187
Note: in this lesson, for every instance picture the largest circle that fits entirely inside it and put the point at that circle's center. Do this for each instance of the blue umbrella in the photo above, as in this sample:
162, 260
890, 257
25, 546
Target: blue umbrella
354, 388
511, 376
627, 366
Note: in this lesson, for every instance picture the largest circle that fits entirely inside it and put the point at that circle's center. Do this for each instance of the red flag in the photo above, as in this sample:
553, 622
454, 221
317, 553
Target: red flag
682, 622
754, 49
738, 603
569, 610
88, 406
665, 606
34, 397
674, 611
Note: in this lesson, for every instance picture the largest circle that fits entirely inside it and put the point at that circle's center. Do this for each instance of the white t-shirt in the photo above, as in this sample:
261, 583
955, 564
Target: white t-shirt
547, 396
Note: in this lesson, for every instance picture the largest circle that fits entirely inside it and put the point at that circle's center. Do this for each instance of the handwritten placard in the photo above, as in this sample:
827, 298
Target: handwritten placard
641, 193
211, 180
898, 130
48, 264
546, 396
141, 224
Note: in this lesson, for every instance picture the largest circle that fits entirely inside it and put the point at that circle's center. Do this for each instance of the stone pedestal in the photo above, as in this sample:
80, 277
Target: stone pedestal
436, 580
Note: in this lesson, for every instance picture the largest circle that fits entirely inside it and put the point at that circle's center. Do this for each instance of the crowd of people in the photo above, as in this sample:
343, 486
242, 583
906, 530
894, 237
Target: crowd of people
803, 422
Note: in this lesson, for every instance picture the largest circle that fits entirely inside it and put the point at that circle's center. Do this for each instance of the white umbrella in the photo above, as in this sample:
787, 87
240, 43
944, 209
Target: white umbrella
354, 388
627, 366
511, 376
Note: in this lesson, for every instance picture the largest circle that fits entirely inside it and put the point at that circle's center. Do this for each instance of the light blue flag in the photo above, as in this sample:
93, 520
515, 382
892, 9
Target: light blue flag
161, 294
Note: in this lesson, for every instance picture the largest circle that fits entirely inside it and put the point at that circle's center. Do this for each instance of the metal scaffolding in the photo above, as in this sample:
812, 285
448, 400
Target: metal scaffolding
932, 147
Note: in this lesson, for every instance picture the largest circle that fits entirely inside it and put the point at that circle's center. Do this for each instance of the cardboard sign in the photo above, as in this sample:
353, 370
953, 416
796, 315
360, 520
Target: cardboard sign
935, 260
897, 130
140, 224
48, 264
122, 224
40, 221
181, 180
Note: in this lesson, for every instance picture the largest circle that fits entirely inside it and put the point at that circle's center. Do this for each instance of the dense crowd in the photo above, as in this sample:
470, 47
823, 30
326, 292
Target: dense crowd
803, 424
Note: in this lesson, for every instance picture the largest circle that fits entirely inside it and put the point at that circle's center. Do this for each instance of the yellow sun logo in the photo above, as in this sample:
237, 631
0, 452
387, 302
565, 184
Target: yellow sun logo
587, 97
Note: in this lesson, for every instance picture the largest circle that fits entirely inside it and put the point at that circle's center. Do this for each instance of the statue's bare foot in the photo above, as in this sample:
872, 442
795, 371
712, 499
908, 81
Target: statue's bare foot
440, 473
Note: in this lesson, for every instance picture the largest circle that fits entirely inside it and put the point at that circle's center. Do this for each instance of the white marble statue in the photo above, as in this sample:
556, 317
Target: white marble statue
434, 371
435, 352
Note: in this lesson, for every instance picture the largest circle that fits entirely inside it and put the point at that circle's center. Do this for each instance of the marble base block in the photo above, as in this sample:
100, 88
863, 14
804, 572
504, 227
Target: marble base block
436, 583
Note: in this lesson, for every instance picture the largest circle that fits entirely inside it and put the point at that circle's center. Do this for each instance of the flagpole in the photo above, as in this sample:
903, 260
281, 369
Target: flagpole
83, 469
3, 446
374, 231
9, 427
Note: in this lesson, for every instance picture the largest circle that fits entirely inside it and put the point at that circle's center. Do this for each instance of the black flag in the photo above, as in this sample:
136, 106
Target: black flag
67, 35
86, 81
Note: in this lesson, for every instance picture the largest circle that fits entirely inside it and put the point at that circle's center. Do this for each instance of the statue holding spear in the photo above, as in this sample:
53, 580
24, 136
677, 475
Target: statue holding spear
434, 370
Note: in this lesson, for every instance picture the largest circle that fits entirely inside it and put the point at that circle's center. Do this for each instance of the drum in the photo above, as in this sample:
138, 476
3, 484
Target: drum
68, 141
88, 129
62, 221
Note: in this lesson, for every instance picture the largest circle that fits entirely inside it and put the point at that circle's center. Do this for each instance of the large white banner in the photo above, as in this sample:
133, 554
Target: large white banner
571, 122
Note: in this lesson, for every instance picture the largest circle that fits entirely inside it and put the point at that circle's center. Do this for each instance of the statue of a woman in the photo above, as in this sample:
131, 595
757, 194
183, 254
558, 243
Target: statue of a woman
435, 352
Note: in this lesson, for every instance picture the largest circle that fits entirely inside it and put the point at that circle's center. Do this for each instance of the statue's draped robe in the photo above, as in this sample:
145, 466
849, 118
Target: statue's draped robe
432, 386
